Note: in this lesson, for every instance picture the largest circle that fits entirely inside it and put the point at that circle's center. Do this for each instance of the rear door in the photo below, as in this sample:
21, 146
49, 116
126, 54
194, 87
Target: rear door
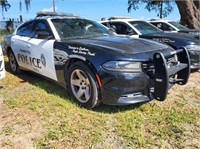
19, 45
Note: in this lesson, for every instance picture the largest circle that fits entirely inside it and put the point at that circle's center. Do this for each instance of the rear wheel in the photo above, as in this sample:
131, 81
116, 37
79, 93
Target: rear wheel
82, 85
13, 63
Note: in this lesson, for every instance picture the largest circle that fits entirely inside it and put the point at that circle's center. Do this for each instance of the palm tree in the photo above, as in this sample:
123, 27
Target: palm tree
27, 3
5, 6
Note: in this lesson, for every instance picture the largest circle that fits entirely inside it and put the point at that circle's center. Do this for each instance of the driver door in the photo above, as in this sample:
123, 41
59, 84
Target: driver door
41, 47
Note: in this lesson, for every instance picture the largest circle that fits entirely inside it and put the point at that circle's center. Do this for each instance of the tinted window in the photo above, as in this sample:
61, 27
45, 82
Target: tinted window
25, 29
122, 28
179, 26
163, 26
144, 27
40, 26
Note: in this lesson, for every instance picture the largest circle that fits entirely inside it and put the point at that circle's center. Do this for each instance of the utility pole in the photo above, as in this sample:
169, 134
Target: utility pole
54, 6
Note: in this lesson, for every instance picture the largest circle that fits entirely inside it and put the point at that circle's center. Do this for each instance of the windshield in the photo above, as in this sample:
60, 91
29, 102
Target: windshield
144, 27
71, 28
179, 26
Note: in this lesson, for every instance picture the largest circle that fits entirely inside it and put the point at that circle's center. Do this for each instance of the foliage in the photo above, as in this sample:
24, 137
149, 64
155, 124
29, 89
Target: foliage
5, 5
162, 7
27, 3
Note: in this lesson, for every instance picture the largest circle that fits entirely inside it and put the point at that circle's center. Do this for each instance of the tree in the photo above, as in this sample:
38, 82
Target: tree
162, 7
190, 13
5, 5
189, 9
27, 3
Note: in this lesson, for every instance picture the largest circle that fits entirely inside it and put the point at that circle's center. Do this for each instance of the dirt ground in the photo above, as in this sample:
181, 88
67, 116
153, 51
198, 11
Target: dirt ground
19, 126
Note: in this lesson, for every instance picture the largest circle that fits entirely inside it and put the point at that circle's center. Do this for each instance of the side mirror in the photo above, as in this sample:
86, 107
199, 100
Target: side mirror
42, 35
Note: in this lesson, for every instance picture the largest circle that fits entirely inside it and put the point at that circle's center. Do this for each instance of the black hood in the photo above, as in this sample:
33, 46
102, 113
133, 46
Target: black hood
191, 31
180, 36
124, 45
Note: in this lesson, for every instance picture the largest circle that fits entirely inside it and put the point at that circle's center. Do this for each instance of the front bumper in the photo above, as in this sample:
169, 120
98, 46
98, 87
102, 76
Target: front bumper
129, 88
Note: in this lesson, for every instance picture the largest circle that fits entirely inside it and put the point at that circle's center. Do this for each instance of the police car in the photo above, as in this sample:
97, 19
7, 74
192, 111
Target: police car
2, 66
142, 29
94, 64
173, 26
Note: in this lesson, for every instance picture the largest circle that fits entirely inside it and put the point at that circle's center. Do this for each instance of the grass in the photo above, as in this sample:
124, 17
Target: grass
37, 113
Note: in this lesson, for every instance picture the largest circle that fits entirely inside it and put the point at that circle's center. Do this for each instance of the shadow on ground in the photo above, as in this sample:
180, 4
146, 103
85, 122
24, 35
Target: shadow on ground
53, 88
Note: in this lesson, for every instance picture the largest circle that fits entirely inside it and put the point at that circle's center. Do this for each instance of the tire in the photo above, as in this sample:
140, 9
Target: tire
82, 85
13, 63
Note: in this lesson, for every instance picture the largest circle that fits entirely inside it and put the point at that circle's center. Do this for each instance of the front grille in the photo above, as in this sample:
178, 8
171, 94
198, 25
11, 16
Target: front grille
172, 61
149, 68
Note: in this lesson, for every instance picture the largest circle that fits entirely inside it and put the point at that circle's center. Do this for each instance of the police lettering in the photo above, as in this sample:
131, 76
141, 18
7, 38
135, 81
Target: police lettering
29, 60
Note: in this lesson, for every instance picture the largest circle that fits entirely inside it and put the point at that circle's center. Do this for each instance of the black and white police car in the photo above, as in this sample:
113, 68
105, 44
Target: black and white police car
173, 26
94, 64
142, 29
2, 65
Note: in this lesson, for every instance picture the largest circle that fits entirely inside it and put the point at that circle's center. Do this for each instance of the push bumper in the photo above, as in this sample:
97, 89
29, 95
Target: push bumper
166, 76
125, 89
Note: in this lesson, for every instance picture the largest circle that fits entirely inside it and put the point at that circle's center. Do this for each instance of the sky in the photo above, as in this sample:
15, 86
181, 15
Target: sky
92, 9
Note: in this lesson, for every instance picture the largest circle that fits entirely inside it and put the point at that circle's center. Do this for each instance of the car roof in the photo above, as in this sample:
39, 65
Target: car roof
159, 20
121, 20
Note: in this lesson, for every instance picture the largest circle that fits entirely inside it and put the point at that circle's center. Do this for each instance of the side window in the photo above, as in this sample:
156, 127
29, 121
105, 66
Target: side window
163, 26
40, 26
25, 29
166, 27
158, 25
106, 24
123, 29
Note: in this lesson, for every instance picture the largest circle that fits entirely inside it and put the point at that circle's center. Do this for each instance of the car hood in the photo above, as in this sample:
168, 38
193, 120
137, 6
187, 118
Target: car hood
124, 45
191, 31
180, 36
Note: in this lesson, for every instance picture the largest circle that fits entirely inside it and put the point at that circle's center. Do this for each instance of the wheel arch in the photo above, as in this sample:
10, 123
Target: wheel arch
86, 62
90, 66
8, 49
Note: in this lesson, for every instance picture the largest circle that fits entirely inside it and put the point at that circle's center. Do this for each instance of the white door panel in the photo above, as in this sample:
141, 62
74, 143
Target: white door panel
18, 45
35, 55
42, 59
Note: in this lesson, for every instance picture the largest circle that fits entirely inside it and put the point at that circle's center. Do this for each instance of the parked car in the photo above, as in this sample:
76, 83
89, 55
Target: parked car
94, 64
2, 66
142, 29
173, 26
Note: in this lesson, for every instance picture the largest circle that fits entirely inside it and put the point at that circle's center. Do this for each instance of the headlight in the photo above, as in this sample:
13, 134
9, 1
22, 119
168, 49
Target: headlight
194, 33
122, 66
193, 47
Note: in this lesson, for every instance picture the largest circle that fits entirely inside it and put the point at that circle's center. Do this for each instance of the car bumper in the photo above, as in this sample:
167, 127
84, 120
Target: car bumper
125, 88
129, 88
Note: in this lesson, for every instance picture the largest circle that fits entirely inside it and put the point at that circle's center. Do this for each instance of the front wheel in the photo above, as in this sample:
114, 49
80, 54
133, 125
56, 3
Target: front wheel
13, 63
82, 85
